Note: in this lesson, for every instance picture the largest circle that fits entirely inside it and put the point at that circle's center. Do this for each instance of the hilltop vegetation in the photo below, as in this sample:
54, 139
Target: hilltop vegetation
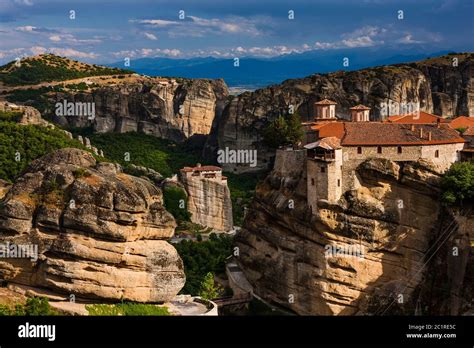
49, 67
21, 144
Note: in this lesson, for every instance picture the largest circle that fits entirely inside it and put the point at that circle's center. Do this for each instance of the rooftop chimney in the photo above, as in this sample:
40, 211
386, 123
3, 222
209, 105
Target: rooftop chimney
198, 165
438, 123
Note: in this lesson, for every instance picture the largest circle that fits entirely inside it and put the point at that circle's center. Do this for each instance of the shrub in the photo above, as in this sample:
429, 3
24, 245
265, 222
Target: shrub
208, 290
284, 131
20, 144
176, 199
34, 306
457, 184
80, 172
200, 258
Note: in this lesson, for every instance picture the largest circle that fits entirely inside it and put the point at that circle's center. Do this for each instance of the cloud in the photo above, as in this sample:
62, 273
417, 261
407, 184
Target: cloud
154, 22
194, 26
150, 36
408, 39
362, 41
367, 36
67, 52
71, 39
70, 52
148, 52
55, 38
34, 30
26, 28
24, 2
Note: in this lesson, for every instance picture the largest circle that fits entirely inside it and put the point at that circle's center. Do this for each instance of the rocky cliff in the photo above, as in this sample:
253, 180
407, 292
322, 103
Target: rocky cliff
209, 202
364, 255
165, 108
437, 85
99, 233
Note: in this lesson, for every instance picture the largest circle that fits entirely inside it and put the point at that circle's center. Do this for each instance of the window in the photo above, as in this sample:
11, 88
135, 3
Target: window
312, 181
379, 149
399, 149
437, 153
323, 169
359, 150
338, 182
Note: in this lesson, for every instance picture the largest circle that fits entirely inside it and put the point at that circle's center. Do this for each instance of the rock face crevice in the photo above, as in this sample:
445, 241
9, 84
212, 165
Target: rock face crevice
165, 108
100, 233
338, 259
436, 85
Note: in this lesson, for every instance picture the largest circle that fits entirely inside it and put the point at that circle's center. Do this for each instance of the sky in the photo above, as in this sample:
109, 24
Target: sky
105, 31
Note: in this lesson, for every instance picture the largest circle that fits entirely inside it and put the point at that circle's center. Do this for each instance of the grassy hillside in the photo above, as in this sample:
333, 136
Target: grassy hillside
19, 145
49, 67
161, 155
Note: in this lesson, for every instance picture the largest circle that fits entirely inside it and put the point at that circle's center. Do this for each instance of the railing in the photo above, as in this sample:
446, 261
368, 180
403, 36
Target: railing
232, 300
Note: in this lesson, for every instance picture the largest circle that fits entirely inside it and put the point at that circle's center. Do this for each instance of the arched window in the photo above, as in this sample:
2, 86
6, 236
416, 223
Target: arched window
437, 153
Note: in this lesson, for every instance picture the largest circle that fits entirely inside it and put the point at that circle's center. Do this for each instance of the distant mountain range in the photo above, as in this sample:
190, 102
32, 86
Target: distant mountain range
258, 72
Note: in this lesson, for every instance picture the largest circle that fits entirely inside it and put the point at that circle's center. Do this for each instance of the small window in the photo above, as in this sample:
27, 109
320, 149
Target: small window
359, 150
379, 149
323, 169
312, 181
338, 182
437, 153
399, 149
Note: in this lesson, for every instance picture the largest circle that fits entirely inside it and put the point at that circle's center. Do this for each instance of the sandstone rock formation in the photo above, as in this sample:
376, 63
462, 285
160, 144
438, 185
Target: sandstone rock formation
29, 114
100, 233
161, 107
384, 228
209, 201
435, 84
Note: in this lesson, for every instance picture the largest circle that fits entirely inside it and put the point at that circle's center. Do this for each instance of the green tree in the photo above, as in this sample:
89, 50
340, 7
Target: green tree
295, 130
208, 290
283, 132
275, 134
457, 184
176, 200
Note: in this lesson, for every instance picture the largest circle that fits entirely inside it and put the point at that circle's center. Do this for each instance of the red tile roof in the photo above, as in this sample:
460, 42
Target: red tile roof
329, 143
201, 169
325, 102
420, 117
462, 122
469, 131
329, 129
359, 107
378, 133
